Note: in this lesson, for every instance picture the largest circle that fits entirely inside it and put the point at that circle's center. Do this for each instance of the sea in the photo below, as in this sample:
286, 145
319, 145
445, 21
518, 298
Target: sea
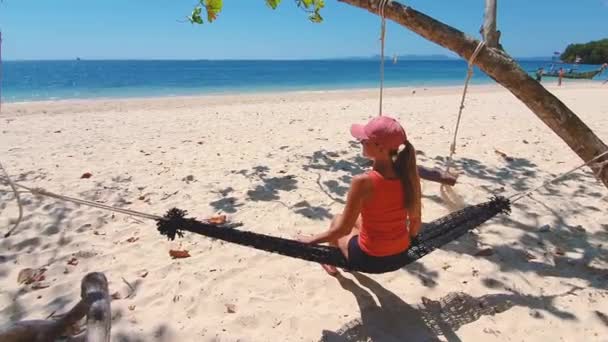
88, 79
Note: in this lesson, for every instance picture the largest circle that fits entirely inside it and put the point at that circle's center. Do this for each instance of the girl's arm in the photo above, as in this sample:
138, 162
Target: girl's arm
359, 188
415, 224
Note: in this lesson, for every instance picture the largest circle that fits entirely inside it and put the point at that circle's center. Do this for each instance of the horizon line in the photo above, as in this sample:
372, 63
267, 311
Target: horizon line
436, 57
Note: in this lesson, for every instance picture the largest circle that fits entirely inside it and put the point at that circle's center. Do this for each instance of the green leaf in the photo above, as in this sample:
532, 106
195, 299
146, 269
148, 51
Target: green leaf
273, 3
308, 3
195, 17
214, 7
315, 17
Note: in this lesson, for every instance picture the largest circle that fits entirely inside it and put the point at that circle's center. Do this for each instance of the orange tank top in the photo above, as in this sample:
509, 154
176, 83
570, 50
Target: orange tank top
384, 228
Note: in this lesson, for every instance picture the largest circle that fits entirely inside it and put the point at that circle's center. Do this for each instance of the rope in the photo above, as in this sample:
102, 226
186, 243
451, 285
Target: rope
464, 95
0, 71
17, 197
42, 192
516, 197
382, 35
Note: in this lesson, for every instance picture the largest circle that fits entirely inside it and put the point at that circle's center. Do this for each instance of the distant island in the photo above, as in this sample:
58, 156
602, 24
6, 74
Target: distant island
419, 57
594, 52
402, 57
437, 57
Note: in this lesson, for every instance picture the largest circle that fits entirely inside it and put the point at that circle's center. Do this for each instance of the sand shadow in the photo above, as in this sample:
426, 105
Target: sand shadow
226, 204
312, 212
162, 333
323, 162
270, 189
428, 278
391, 319
525, 253
515, 173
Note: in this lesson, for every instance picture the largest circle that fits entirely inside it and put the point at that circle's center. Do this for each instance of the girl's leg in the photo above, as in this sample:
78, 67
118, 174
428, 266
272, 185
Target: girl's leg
341, 243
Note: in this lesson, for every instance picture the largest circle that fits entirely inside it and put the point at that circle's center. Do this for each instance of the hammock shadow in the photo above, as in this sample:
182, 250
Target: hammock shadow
390, 320
394, 320
457, 309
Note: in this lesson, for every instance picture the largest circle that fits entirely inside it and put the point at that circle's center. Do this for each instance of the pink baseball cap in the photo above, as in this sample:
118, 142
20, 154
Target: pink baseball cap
382, 130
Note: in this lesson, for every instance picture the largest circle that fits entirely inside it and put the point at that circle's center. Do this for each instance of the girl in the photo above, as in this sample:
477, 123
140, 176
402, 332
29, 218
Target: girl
383, 207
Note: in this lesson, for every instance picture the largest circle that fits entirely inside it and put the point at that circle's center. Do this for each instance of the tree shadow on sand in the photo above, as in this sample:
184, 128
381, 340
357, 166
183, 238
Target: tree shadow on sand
42, 238
227, 204
325, 162
544, 252
391, 319
162, 333
269, 189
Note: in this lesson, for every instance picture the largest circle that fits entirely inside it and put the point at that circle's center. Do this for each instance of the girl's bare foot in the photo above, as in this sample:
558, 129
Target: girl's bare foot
331, 270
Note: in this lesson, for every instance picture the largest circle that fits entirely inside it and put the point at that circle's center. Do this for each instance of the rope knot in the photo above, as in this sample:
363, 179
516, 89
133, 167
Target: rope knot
599, 166
170, 224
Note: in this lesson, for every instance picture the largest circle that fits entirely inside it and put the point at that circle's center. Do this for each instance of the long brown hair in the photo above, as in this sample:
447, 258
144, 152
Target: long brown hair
404, 163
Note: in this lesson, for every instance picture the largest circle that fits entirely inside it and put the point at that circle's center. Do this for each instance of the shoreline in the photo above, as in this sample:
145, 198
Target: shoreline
163, 102
237, 92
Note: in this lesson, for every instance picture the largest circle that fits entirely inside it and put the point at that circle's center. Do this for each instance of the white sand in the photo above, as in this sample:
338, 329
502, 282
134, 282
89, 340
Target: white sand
260, 158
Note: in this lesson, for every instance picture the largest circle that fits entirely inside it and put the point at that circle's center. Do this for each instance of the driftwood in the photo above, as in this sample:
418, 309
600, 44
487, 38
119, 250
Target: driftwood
436, 175
503, 69
94, 303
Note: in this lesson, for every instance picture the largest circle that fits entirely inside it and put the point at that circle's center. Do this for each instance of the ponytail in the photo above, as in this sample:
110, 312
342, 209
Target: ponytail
404, 163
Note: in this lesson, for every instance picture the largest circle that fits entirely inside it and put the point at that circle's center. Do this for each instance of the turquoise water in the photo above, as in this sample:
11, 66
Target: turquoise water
45, 80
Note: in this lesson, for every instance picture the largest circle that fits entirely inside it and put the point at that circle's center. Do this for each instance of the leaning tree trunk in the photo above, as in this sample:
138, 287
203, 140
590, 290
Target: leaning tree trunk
94, 304
504, 70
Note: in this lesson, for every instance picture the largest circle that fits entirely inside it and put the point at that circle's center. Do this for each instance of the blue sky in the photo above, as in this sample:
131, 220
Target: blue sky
154, 29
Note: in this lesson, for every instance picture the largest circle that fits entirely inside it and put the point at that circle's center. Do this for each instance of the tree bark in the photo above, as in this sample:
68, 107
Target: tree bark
95, 303
99, 316
490, 35
504, 70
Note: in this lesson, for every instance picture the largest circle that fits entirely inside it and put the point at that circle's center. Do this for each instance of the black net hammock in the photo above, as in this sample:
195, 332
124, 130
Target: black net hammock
433, 235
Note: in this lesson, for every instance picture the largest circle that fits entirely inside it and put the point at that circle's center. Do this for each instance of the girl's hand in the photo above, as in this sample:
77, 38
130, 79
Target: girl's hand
415, 224
305, 239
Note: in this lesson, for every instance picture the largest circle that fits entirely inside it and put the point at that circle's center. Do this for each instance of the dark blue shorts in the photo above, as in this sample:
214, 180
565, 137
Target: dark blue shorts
358, 260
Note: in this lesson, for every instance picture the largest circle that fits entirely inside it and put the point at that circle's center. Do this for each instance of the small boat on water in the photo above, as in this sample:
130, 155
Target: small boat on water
571, 72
